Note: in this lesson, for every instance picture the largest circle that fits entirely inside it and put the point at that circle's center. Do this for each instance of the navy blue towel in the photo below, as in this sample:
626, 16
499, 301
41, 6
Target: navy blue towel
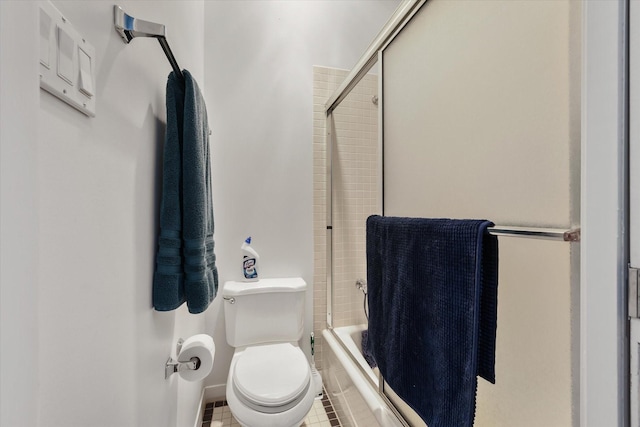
432, 311
185, 262
366, 350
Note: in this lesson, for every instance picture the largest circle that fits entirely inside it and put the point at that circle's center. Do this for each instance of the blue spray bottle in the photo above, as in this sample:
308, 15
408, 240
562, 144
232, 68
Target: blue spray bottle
250, 260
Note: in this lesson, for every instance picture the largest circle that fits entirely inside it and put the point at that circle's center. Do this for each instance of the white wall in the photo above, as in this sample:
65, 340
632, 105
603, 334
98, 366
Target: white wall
604, 379
80, 196
18, 215
258, 61
79, 207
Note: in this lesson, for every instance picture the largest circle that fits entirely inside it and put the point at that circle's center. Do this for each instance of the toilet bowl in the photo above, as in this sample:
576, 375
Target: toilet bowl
270, 383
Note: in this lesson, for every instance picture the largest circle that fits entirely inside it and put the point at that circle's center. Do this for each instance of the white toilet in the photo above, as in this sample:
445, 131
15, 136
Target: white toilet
270, 381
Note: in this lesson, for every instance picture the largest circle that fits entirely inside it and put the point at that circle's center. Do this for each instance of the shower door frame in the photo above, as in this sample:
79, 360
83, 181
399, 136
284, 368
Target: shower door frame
372, 56
330, 145
607, 224
633, 38
604, 371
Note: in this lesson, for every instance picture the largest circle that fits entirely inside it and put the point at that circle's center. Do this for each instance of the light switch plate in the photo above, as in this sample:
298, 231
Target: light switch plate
66, 55
67, 61
85, 83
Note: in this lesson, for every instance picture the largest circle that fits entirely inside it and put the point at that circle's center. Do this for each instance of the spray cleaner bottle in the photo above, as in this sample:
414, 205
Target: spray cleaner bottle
250, 260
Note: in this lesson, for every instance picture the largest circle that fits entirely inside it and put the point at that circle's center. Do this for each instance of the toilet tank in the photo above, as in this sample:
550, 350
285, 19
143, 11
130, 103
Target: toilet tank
269, 310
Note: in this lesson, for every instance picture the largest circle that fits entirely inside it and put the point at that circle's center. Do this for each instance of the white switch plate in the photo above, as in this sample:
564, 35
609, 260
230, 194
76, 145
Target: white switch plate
85, 83
67, 61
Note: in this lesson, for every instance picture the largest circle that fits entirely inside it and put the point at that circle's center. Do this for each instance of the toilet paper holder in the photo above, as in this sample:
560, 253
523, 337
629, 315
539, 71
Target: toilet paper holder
172, 366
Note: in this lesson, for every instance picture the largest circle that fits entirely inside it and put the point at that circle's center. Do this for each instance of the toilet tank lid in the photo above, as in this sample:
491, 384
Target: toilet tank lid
290, 284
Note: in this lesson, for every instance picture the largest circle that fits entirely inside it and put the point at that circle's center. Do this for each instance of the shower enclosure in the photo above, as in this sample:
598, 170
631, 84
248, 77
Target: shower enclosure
353, 182
350, 151
450, 117
348, 167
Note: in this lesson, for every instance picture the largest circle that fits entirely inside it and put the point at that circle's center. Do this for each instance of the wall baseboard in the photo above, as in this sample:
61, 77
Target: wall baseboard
200, 414
215, 392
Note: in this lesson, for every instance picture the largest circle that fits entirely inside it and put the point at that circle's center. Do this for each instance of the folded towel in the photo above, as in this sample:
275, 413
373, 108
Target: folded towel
432, 287
185, 262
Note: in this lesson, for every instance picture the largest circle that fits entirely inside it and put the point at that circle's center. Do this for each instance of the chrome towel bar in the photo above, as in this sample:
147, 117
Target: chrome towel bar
572, 235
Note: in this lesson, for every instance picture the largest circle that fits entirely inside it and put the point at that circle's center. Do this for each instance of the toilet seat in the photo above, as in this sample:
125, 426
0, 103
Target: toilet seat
272, 377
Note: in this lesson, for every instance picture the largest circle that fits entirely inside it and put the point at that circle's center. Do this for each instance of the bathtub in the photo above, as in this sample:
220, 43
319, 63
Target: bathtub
352, 388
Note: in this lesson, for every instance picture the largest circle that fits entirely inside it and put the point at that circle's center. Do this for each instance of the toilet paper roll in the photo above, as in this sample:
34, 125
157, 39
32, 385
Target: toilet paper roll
202, 347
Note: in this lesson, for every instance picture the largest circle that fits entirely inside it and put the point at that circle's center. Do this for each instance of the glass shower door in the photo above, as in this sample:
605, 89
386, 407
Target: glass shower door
355, 195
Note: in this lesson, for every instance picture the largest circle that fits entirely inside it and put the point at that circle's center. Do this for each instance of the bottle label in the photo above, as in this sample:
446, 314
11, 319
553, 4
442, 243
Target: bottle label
249, 268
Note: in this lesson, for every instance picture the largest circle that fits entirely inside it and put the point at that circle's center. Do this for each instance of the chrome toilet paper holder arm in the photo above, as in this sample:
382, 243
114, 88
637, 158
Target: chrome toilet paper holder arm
173, 366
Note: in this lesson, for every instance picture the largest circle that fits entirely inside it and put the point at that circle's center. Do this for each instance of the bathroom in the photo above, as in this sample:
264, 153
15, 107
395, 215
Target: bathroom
80, 343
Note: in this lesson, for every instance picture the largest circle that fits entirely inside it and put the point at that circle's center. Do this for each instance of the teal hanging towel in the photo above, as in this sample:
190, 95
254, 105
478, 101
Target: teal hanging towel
185, 261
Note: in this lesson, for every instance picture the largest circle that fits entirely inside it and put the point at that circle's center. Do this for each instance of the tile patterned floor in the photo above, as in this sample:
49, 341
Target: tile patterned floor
217, 414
